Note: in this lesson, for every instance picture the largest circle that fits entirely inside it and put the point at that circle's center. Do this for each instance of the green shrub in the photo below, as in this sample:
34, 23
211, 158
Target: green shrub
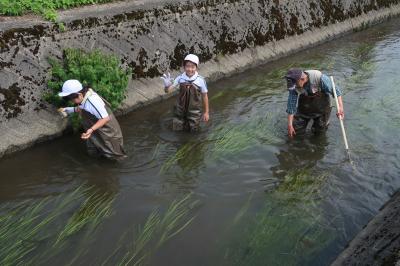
94, 69
45, 8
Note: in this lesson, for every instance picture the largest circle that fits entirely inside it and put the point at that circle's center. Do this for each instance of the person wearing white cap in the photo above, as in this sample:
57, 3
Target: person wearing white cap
102, 131
192, 94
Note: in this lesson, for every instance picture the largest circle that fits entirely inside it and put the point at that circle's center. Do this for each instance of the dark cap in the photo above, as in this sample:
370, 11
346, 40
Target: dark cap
293, 75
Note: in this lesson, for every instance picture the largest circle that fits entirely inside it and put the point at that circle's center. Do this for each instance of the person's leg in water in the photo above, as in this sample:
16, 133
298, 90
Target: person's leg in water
193, 120
178, 121
321, 123
92, 150
300, 124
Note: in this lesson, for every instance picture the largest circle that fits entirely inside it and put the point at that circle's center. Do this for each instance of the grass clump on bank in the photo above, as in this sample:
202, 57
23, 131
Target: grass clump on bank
46, 8
95, 69
100, 71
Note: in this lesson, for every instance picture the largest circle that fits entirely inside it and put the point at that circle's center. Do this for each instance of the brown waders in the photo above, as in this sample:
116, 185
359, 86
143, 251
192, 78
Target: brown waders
106, 141
187, 109
316, 107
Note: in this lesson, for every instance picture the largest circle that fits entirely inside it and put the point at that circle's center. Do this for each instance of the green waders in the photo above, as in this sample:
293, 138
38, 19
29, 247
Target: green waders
316, 107
106, 141
187, 110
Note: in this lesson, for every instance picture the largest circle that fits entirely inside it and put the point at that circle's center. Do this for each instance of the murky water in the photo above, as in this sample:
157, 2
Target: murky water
244, 194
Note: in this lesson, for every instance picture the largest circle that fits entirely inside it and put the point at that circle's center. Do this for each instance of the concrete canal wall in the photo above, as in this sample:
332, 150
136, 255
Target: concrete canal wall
152, 37
379, 242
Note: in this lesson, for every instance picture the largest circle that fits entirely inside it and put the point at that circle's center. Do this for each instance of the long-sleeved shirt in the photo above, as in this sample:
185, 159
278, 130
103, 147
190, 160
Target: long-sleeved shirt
93, 104
326, 87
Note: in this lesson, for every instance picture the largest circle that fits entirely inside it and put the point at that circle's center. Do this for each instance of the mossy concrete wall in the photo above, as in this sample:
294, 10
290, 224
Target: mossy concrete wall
152, 37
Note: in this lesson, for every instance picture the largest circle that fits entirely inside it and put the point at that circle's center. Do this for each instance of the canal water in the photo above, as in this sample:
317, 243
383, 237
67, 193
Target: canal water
237, 193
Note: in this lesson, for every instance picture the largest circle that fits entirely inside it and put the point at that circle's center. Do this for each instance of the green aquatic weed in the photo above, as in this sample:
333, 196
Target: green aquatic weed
157, 230
100, 71
290, 229
33, 232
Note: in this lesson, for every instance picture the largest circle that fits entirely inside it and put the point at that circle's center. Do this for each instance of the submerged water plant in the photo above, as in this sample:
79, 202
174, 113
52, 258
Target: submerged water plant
229, 139
361, 59
37, 233
290, 229
34, 232
157, 230
226, 140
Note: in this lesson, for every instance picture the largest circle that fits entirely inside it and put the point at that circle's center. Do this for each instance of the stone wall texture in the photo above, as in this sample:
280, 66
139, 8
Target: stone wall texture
379, 241
152, 37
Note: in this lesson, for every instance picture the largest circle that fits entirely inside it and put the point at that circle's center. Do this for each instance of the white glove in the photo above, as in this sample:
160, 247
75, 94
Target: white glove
65, 111
62, 112
167, 80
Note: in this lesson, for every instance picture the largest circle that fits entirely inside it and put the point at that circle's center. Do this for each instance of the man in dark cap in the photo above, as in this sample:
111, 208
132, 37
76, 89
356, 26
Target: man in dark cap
309, 99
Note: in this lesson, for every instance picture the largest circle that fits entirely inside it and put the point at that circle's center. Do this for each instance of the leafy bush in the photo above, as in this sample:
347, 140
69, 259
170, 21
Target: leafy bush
94, 69
45, 8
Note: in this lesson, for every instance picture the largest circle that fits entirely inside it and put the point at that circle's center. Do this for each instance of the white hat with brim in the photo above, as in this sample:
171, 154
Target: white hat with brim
69, 87
192, 58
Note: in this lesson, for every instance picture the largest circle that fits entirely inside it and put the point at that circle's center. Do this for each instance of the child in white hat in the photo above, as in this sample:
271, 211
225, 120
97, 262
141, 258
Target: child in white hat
192, 95
102, 131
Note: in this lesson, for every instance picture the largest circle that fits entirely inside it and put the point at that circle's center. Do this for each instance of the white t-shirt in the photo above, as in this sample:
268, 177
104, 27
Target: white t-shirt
196, 79
95, 105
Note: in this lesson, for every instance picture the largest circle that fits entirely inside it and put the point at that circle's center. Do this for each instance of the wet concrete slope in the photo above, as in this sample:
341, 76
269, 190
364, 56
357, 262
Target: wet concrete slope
379, 242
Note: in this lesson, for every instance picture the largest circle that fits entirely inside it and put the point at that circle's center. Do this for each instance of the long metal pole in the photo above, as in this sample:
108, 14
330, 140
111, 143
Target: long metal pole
340, 119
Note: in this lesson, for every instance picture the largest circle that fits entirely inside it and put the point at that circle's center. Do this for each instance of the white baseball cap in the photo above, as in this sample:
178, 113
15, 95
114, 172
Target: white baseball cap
70, 86
192, 58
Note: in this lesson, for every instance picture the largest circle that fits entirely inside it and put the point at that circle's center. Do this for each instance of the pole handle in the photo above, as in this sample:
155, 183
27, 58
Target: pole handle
340, 120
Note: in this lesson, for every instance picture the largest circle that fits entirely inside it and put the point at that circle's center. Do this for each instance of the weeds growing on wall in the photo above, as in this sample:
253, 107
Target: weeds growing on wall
46, 8
101, 72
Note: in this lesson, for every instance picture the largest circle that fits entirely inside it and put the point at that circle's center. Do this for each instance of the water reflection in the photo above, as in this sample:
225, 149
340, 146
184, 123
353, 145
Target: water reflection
301, 152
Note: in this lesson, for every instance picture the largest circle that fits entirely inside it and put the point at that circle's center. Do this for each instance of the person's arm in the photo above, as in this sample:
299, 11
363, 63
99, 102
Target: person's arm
291, 110
340, 111
206, 114
67, 111
291, 131
327, 86
97, 107
100, 123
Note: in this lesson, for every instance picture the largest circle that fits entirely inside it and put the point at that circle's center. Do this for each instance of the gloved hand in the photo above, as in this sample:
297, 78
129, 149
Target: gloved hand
167, 80
62, 112
65, 111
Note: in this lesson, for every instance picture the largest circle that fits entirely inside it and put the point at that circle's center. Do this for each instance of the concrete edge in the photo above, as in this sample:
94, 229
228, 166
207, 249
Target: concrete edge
143, 92
378, 243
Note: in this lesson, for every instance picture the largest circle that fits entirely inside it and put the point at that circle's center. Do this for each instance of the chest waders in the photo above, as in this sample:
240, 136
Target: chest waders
314, 106
187, 110
106, 141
